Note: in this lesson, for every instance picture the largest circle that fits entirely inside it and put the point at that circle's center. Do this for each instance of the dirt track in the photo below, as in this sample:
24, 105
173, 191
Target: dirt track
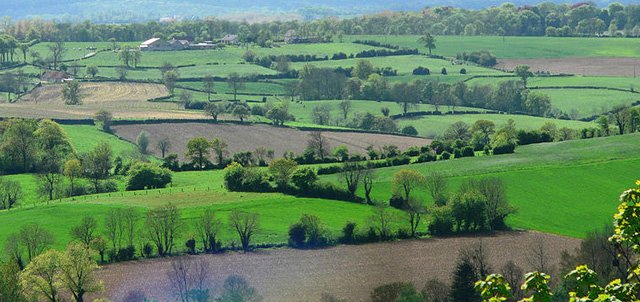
249, 137
348, 272
579, 66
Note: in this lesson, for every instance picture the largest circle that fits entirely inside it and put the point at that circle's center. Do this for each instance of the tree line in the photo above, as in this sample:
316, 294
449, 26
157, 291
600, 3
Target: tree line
580, 19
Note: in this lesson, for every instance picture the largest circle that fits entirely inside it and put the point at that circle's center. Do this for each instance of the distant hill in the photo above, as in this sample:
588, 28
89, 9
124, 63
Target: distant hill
122, 11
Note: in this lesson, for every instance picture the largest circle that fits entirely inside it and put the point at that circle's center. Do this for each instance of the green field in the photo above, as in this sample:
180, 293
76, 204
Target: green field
85, 137
405, 65
226, 55
303, 111
588, 102
566, 188
519, 47
276, 212
431, 126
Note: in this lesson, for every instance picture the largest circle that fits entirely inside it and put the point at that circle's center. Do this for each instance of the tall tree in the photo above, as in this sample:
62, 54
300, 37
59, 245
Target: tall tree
429, 42
245, 224
207, 86
79, 272
71, 93
523, 71
162, 225
236, 83
198, 151
57, 50
97, 164
219, 148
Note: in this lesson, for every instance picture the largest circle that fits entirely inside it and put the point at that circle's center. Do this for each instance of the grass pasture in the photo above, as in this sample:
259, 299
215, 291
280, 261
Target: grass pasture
557, 187
588, 102
430, 126
518, 47
405, 65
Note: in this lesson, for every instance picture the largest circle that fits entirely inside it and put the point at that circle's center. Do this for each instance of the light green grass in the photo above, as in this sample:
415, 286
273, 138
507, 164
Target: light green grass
276, 213
519, 47
431, 126
569, 81
405, 65
85, 137
250, 87
303, 111
588, 102
567, 188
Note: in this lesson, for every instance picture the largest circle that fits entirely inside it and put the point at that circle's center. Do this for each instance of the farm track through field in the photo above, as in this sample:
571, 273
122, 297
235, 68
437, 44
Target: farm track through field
349, 272
249, 137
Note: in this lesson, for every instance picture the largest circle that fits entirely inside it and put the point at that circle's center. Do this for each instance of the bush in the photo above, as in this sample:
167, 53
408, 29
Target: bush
328, 191
147, 250
409, 130
468, 152
240, 179
413, 151
463, 71
457, 153
147, 176
426, 157
257, 110
397, 202
390, 292
443, 71
191, 246
309, 232
399, 160
304, 178
126, 254
329, 170
421, 71
441, 221
445, 155
349, 233
504, 149
297, 235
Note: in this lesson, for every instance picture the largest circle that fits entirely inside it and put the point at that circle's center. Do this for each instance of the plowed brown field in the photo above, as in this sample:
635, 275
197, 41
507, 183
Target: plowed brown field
626, 67
249, 137
348, 272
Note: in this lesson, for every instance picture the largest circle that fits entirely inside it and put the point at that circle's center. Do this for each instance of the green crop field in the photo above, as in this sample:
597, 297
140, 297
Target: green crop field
625, 83
519, 47
302, 111
431, 126
86, 137
588, 102
276, 212
405, 65
250, 87
557, 187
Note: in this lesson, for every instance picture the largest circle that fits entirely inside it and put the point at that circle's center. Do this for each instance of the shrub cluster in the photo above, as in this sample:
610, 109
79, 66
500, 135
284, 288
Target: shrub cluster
482, 58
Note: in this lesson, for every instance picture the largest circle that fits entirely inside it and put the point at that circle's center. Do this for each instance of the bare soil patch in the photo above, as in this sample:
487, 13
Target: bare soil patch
124, 100
580, 66
249, 137
348, 272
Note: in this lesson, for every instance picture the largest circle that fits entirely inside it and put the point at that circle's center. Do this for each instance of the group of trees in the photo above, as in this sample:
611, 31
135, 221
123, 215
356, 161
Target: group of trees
579, 19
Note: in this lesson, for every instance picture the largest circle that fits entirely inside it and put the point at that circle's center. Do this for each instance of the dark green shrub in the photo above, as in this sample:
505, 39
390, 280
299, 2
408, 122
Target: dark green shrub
390, 292
463, 71
126, 254
409, 130
147, 250
191, 246
413, 151
445, 155
304, 178
400, 160
504, 149
240, 179
348, 233
397, 202
297, 235
441, 221
468, 152
426, 157
457, 153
